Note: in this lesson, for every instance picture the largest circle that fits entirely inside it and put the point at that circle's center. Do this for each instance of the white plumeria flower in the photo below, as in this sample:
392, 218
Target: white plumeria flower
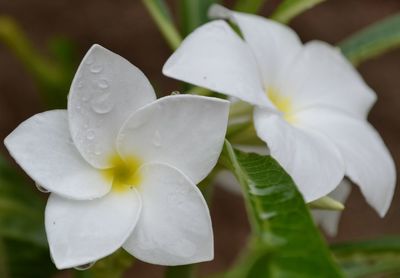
329, 219
122, 166
310, 103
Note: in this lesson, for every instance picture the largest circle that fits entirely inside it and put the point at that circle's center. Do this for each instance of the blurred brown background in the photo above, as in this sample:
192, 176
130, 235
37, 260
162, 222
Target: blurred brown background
125, 27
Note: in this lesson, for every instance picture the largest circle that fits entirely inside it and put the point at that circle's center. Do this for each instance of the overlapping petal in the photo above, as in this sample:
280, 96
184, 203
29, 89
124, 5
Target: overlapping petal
368, 161
321, 75
175, 226
81, 232
43, 147
105, 91
215, 57
184, 131
313, 162
274, 45
329, 220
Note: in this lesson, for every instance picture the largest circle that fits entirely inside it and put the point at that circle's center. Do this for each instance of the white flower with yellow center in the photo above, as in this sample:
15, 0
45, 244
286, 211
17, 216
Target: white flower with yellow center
310, 103
122, 166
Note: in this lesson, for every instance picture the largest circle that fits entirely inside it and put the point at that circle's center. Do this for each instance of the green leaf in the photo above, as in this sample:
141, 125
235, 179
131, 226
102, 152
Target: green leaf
285, 242
369, 258
158, 9
194, 13
289, 9
24, 250
246, 6
373, 40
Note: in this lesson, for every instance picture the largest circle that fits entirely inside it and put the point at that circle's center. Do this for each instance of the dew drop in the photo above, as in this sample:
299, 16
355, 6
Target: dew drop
102, 103
174, 93
85, 266
85, 97
90, 134
89, 60
98, 150
41, 188
157, 139
96, 68
103, 84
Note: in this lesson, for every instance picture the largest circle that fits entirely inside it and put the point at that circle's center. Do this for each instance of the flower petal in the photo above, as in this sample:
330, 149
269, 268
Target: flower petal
311, 159
214, 57
105, 91
81, 232
175, 226
329, 220
321, 75
368, 161
184, 131
273, 44
43, 147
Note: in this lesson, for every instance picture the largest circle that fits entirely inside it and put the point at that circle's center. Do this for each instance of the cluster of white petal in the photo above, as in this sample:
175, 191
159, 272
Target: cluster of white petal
311, 105
113, 112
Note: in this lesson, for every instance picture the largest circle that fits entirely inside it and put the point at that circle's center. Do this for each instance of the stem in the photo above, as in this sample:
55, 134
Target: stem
158, 11
247, 6
200, 91
15, 39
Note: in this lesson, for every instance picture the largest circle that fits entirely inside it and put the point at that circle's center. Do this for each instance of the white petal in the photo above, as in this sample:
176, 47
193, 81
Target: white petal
215, 57
311, 159
82, 232
322, 75
175, 226
368, 162
329, 220
43, 147
105, 91
273, 44
184, 131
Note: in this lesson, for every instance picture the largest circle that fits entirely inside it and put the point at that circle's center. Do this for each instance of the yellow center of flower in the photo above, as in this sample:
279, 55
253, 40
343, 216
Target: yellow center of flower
282, 103
123, 173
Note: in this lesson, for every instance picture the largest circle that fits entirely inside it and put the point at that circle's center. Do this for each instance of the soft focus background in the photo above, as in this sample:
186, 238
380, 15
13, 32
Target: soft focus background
125, 27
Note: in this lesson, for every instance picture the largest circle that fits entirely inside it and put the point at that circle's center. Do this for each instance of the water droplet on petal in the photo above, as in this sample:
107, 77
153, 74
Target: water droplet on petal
96, 68
103, 84
174, 93
85, 266
89, 60
90, 134
98, 150
102, 103
157, 139
41, 188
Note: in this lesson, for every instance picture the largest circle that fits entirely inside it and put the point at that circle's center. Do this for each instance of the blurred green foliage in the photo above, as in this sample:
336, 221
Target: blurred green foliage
373, 41
369, 258
23, 250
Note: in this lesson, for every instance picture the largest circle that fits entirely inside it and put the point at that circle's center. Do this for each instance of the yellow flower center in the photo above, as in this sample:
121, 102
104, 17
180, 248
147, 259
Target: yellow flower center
282, 103
123, 174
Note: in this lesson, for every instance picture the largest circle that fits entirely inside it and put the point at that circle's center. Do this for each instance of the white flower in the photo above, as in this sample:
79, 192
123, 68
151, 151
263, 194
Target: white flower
328, 219
122, 166
311, 105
